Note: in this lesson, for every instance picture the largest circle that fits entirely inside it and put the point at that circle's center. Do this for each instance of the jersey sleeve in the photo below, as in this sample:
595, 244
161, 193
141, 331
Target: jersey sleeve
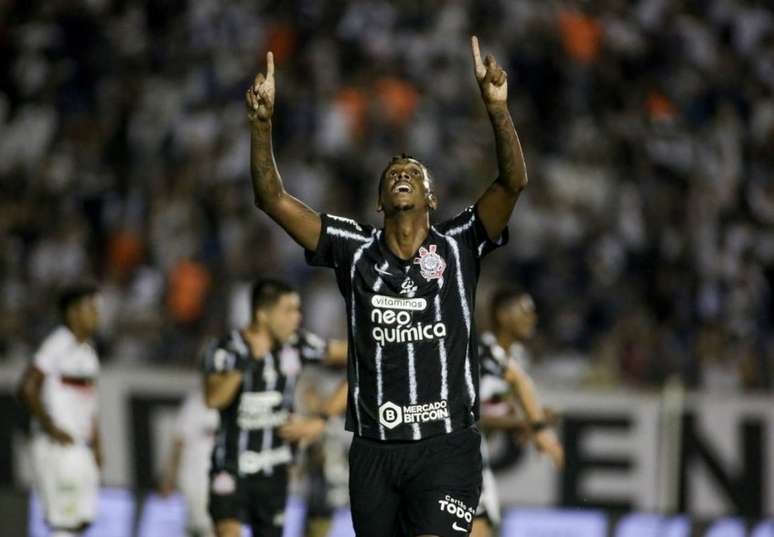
311, 347
467, 229
45, 359
340, 238
219, 358
490, 365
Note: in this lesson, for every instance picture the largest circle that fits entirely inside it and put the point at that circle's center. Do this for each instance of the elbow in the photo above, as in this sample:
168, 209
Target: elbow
268, 202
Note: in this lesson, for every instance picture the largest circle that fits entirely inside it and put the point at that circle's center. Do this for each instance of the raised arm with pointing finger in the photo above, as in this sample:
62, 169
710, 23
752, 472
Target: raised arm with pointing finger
496, 204
301, 222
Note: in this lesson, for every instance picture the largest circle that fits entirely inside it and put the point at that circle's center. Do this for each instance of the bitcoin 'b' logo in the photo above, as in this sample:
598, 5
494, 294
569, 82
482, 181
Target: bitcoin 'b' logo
390, 415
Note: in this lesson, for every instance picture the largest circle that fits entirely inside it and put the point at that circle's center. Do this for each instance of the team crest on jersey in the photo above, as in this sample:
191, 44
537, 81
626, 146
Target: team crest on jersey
431, 265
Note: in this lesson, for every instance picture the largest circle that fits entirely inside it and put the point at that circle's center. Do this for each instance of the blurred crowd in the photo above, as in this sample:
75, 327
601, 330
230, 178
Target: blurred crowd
646, 235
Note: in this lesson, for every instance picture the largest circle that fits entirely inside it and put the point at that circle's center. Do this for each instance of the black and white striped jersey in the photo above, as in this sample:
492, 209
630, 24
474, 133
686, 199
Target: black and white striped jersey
413, 356
495, 360
247, 442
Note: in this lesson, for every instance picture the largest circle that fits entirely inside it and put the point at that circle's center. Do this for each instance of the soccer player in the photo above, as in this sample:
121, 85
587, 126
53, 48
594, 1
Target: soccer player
189, 462
504, 360
58, 389
250, 376
409, 288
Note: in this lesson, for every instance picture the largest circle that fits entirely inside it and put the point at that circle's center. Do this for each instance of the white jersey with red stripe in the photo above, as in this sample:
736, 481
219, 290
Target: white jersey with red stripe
69, 386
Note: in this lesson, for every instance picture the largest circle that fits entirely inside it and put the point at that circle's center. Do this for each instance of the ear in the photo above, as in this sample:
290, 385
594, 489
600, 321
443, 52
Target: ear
431, 200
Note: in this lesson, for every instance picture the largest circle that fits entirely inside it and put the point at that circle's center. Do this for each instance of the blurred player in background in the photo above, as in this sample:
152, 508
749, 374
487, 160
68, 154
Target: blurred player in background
189, 463
59, 391
323, 471
504, 362
250, 377
409, 287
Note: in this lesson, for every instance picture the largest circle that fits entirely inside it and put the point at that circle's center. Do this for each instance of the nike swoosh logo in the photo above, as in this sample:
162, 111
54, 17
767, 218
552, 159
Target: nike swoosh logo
382, 271
455, 527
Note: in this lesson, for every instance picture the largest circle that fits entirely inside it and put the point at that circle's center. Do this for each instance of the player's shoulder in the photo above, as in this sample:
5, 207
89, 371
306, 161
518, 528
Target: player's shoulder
458, 223
231, 342
304, 337
348, 228
490, 349
59, 340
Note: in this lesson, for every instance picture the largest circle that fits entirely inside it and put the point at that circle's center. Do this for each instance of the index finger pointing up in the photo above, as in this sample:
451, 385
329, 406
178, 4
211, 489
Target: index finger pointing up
269, 65
479, 65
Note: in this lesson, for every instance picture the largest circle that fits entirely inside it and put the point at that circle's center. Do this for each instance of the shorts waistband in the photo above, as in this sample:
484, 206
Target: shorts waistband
398, 444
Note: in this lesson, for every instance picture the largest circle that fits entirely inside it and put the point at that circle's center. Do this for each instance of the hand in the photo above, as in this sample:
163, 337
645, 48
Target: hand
546, 442
305, 430
260, 96
58, 435
492, 80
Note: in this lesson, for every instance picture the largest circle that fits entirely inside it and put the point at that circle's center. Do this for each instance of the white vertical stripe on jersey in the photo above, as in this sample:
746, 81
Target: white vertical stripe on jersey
378, 357
442, 357
466, 314
379, 386
270, 378
243, 434
413, 387
353, 329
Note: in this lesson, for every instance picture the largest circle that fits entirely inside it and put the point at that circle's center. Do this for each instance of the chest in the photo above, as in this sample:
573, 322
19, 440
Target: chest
78, 362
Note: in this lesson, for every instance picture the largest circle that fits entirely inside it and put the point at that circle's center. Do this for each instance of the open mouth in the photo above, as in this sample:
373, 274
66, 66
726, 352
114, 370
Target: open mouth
402, 188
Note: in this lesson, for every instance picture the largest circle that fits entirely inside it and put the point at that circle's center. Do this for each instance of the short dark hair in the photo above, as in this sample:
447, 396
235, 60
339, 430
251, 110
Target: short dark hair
266, 292
71, 295
502, 297
399, 158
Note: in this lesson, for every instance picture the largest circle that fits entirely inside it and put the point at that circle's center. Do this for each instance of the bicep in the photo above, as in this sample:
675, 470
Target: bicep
495, 207
299, 220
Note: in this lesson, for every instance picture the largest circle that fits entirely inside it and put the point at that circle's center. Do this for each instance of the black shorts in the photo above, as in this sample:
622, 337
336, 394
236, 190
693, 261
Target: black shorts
411, 488
257, 501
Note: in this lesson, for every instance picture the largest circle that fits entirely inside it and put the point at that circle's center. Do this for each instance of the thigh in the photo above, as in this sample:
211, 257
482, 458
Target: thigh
266, 499
374, 501
68, 483
225, 501
443, 492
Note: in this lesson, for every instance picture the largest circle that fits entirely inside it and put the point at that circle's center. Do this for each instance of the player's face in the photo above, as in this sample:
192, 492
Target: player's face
406, 186
84, 315
284, 317
521, 317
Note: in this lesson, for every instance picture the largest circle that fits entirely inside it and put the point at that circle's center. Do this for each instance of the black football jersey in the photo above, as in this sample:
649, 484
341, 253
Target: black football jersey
247, 442
413, 357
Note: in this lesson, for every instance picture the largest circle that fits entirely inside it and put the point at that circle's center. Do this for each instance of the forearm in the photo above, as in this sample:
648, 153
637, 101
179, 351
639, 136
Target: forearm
29, 395
267, 183
336, 404
220, 388
503, 423
510, 159
525, 395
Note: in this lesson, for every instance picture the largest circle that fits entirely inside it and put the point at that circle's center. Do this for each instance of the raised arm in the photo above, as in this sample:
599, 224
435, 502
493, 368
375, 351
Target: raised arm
301, 222
496, 204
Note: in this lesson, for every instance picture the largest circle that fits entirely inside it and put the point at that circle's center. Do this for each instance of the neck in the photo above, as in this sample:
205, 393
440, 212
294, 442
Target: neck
405, 231
258, 338
80, 334
505, 339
